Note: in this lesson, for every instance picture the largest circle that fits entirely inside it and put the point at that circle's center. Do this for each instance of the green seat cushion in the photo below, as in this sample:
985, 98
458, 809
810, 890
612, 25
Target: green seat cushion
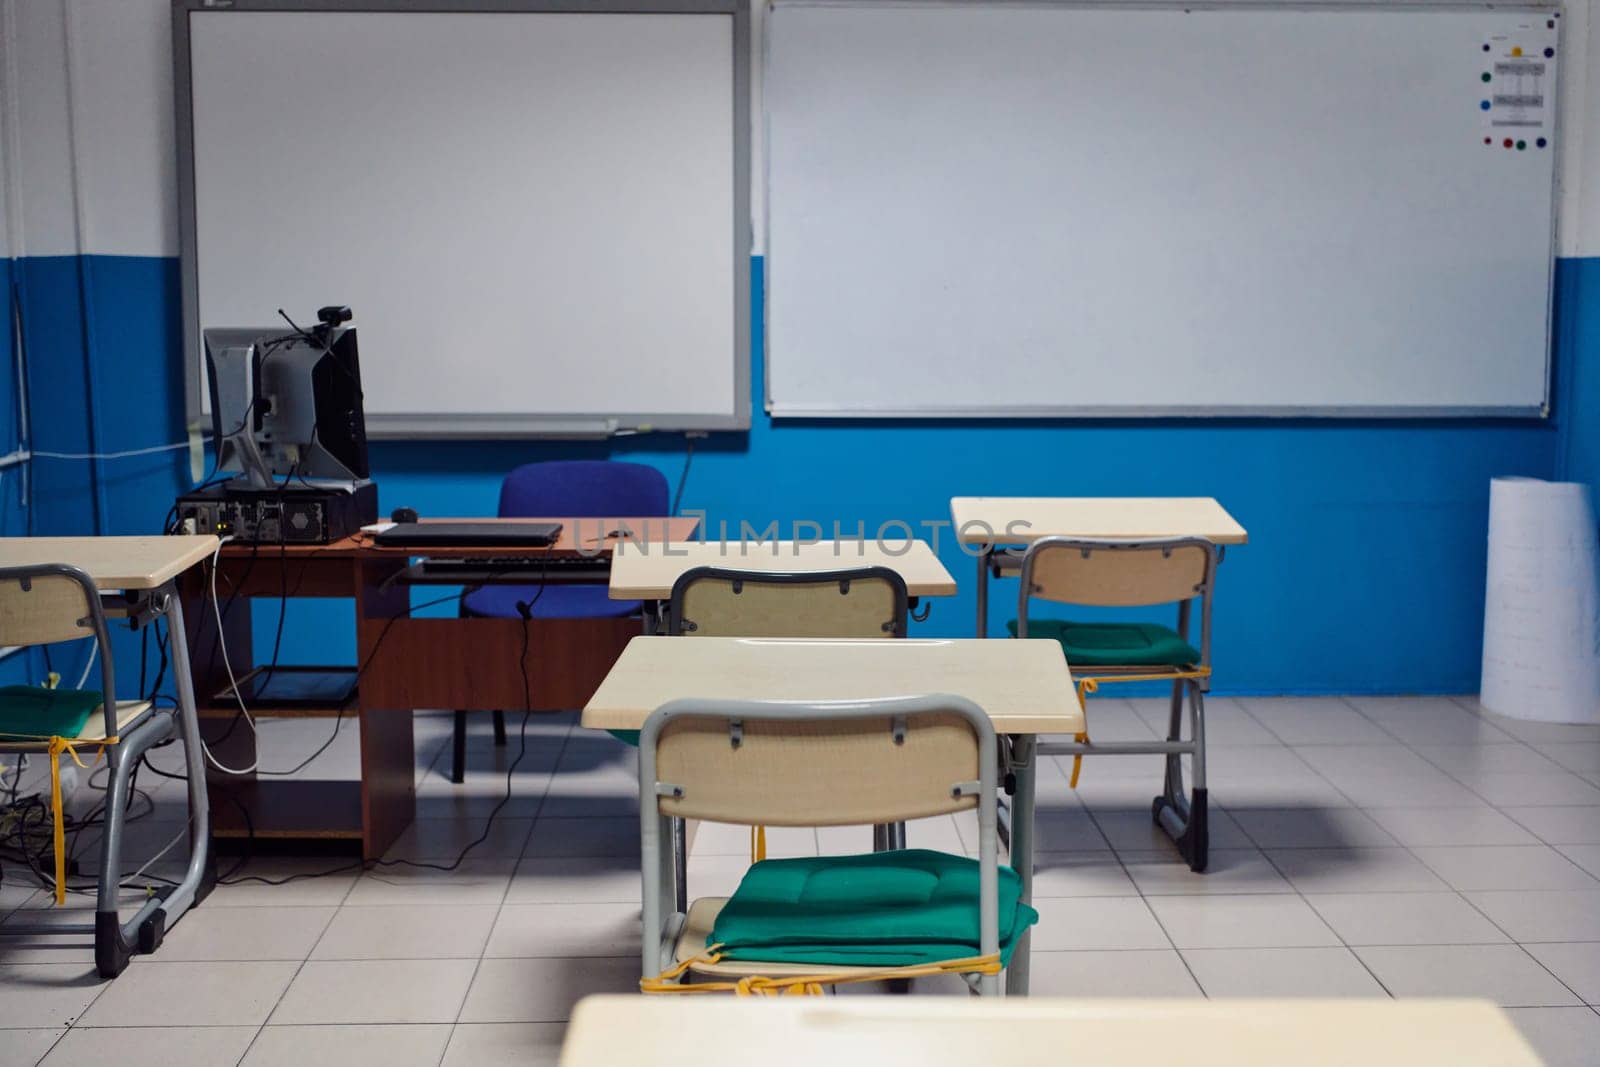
1114, 644
33, 711
884, 909
627, 737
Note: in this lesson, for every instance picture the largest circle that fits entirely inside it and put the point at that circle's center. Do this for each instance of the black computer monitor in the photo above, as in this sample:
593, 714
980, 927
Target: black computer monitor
287, 403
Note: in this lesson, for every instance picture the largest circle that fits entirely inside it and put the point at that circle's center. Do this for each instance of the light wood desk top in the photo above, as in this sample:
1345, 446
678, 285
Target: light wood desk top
987, 519
939, 1031
646, 571
1025, 686
113, 562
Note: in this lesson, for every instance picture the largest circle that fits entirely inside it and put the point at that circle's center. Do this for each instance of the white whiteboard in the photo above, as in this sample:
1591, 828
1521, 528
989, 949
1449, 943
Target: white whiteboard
1057, 209
540, 218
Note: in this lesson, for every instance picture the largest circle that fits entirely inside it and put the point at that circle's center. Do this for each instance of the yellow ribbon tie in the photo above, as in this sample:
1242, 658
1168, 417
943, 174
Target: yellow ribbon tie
1092, 685
58, 828
807, 985
758, 844
55, 746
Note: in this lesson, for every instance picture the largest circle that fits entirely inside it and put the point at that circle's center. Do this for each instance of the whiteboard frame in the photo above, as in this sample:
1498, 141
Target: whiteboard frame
481, 425
1539, 411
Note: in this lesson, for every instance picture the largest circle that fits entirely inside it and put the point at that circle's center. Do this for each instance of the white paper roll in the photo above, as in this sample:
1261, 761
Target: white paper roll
1541, 612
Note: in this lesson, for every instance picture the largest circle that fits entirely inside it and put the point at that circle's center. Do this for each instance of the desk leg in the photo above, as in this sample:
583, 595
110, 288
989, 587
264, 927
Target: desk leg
1024, 764
116, 941
388, 750
983, 590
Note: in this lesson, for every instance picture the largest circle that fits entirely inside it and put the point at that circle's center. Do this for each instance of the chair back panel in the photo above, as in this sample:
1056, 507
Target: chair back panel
43, 608
867, 602
1111, 575
817, 772
584, 489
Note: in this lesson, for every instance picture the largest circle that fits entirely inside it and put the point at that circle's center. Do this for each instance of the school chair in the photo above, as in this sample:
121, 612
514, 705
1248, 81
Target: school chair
1099, 573
796, 925
53, 603
849, 602
857, 602
577, 489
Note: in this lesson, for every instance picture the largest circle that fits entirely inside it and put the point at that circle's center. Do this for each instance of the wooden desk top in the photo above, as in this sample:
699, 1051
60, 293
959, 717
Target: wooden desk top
941, 1031
986, 519
647, 571
578, 537
1025, 686
113, 562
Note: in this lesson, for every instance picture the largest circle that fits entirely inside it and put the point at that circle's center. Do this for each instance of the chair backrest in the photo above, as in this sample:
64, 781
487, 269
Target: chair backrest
584, 489
781, 763
1118, 573
1100, 573
53, 602
817, 764
720, 602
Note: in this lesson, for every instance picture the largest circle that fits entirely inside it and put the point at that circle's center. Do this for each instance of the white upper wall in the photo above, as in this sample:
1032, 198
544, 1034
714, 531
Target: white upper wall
120, 90
95, 74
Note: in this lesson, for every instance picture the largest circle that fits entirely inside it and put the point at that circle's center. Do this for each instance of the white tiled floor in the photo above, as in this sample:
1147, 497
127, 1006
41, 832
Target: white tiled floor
1365, 846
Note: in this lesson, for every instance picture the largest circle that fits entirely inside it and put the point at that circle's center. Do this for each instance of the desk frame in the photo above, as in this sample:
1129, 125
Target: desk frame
1185, 821
1018, 750
141, 602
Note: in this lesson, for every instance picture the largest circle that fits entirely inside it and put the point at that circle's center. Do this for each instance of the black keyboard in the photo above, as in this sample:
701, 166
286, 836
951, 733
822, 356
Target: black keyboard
498, 564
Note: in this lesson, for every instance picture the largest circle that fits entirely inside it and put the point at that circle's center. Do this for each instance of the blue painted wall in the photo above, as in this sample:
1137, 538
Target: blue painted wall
1578, 335
1365, 572
18, 668
105, 328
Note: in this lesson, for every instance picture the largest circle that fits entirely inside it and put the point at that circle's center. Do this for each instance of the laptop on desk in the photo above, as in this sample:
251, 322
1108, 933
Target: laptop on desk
469, 535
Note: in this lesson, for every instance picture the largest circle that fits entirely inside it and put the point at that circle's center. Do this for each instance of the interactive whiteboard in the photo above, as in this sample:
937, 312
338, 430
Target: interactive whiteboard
538, 213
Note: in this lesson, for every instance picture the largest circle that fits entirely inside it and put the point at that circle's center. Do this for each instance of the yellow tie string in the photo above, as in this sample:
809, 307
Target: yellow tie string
58, 827
1092, 685
806, 984
55, 746
758, 844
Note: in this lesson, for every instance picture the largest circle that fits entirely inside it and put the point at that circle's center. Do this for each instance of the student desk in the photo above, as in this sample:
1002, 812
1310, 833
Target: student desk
646, 571
951, 1032
138, 579
998, 525
1024, 686
405, 663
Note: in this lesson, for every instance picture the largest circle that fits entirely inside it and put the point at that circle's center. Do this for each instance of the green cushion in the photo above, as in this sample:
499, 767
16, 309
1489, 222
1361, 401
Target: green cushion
33, 711
1114, 644
627, 737
886, 909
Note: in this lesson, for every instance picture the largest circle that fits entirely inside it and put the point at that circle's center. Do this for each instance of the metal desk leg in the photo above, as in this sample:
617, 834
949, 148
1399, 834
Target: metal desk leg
1024, 765
984, 553
114, 941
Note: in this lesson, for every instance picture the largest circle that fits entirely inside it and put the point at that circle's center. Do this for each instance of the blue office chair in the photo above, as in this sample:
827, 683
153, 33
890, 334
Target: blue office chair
579, 489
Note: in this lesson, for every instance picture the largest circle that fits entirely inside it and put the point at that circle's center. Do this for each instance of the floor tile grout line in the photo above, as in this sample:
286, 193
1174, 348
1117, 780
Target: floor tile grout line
1563, 982
477, 967
1139, 891
1460, 894
1301, 895
1414, 749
